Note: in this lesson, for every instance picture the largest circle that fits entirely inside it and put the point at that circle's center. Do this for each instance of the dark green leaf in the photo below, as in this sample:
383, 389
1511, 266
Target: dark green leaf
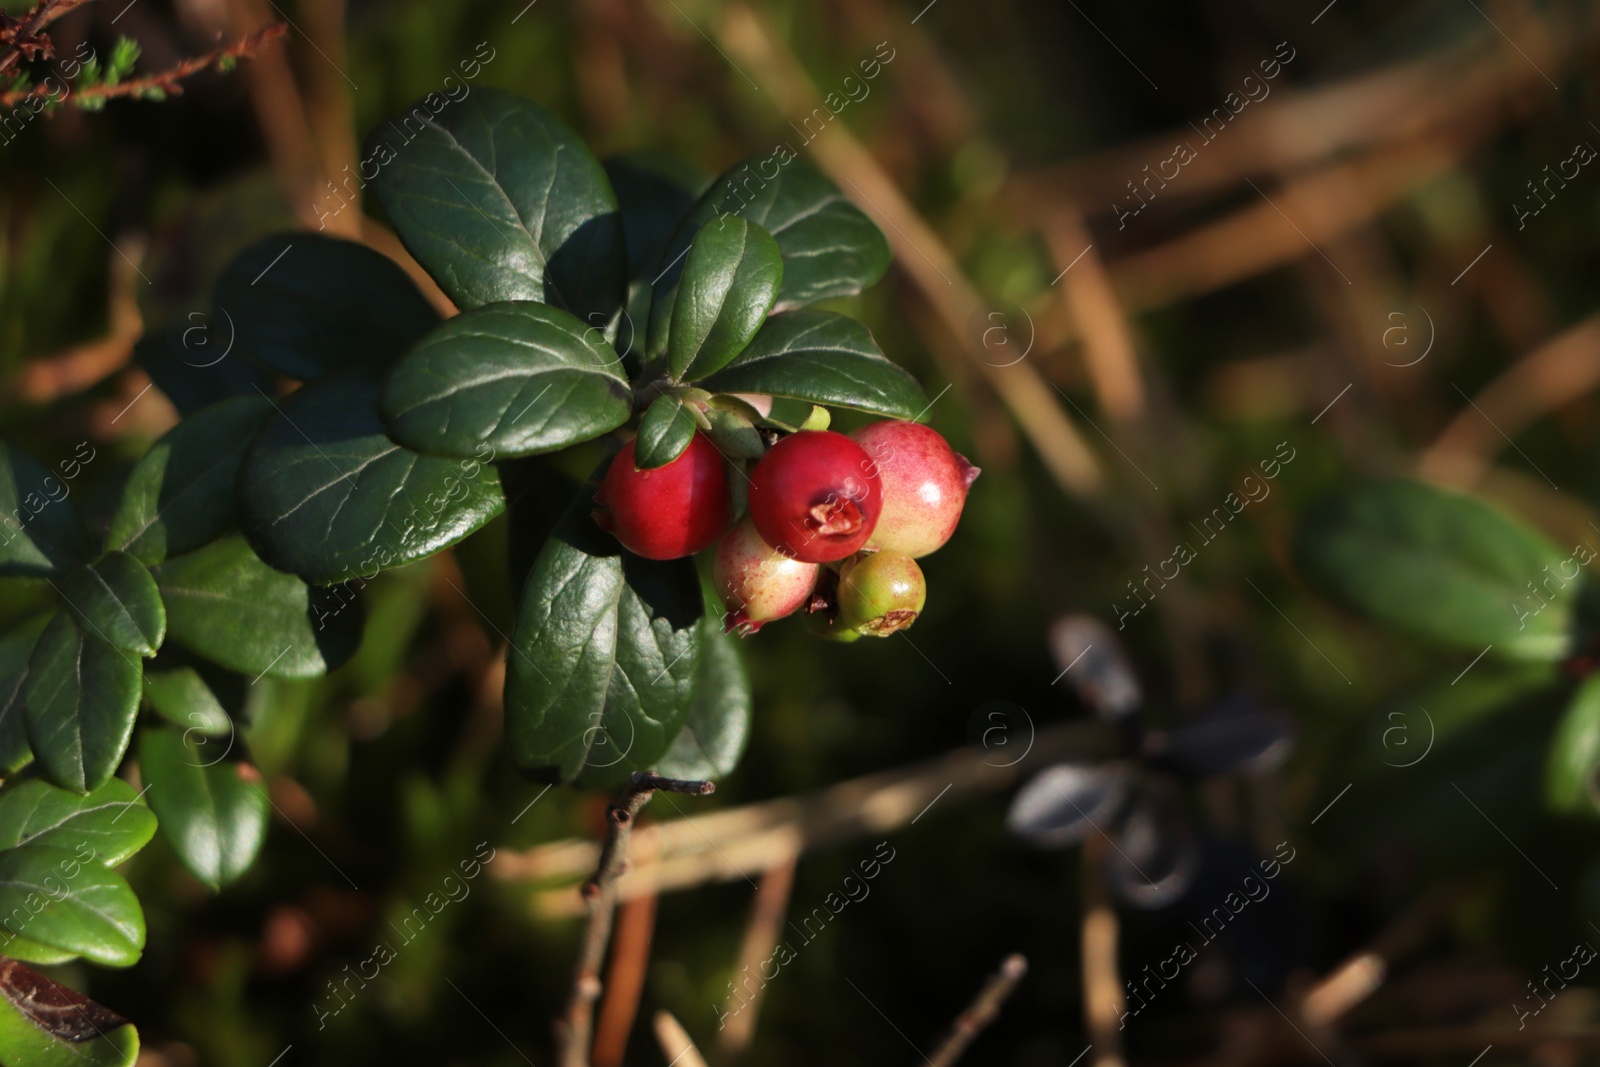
307, 304
193, 362
184, 699
1572, 768
111, 820
600, 674
46, 1024
323, 492
40, 532
63, 898
653, 194
730, 282
213, 811
506, 380
115, 599
714, 735
664, 432
734, 434
226, 604
821, 358
829, 247
1441, 565
82, 696
500, 201
179, 496
16, 648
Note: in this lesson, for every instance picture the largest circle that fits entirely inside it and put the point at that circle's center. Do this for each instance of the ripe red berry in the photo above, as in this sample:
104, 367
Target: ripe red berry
815, 496
756, 582
924, 486
670, 511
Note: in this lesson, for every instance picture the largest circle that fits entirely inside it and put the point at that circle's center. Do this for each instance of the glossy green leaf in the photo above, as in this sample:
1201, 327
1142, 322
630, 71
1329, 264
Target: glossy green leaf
822, 358
40, 531
213, 811
1572, 768
325, 494
307, 304
30, 951
46, 1024
82, 696
735, 436
115, 599
713, 737
63, 898
653, 192
506, 380
829, 247
500, 201
180, 494
664, 432
730, 282
602, 661
1443, 566
226, 604
184, 699
112, 820
16, 649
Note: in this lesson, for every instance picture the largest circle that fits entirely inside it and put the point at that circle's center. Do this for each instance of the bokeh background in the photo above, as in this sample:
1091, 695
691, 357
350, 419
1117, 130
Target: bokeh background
1350, 271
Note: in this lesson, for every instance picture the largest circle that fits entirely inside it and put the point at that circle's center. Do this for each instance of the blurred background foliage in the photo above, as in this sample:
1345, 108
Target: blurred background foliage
1392, 149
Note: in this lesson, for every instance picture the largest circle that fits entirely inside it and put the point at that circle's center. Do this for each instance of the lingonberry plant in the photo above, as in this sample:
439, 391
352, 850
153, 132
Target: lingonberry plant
350, 430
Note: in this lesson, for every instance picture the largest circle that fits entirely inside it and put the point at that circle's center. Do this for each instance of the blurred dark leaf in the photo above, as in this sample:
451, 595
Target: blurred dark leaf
1154, 855
1064, 804
1235, 735
16, 649
653, 194
1570, 782
1092, 659
40, 532
184, 699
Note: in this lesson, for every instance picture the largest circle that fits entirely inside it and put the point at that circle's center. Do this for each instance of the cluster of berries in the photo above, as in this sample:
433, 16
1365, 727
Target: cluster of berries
835, 523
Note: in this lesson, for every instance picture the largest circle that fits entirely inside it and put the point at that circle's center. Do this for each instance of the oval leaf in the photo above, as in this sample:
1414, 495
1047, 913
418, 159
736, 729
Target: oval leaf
179, 496
602, 662
506, 380
1572, 769
82, 696
184, 699
714, 735
116, 599
325, 494
1235, 735
730, 282
1095, 663
226, 604
829, 247
64, 898
500, 201
664, 432
16, 649
654, 192
212, 811
307, 304
822, 358
111, 820
1061, 805
46, 1024
1443, 566
40, 532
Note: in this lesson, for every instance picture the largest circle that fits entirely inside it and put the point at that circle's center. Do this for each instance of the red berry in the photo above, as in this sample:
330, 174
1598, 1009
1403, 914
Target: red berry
924, 486
757, 583
815, 496
670, 511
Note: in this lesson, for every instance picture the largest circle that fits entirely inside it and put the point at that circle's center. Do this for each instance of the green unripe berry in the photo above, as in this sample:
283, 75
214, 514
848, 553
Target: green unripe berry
880, 593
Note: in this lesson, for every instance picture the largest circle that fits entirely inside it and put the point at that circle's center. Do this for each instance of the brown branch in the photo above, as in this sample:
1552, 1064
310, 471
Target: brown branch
600, 895
23, 36
767, 913
982, 1011
630, 959
676, 1044
167, 80
1102, 982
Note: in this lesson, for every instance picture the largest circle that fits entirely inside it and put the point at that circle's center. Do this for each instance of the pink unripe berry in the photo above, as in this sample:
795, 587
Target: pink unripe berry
757, 582
815, 496
924, 486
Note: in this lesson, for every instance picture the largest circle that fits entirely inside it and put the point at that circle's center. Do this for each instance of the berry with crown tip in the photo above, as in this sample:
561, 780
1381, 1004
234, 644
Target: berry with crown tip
925, 486
879, 593
815, 496
757, 582
669, 511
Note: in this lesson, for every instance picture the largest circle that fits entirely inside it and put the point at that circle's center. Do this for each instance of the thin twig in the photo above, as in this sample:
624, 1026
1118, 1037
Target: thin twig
630, 959
23, 36
982, 1011
167, 80
675, 1042
600, 894
1102, 984
761, 934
